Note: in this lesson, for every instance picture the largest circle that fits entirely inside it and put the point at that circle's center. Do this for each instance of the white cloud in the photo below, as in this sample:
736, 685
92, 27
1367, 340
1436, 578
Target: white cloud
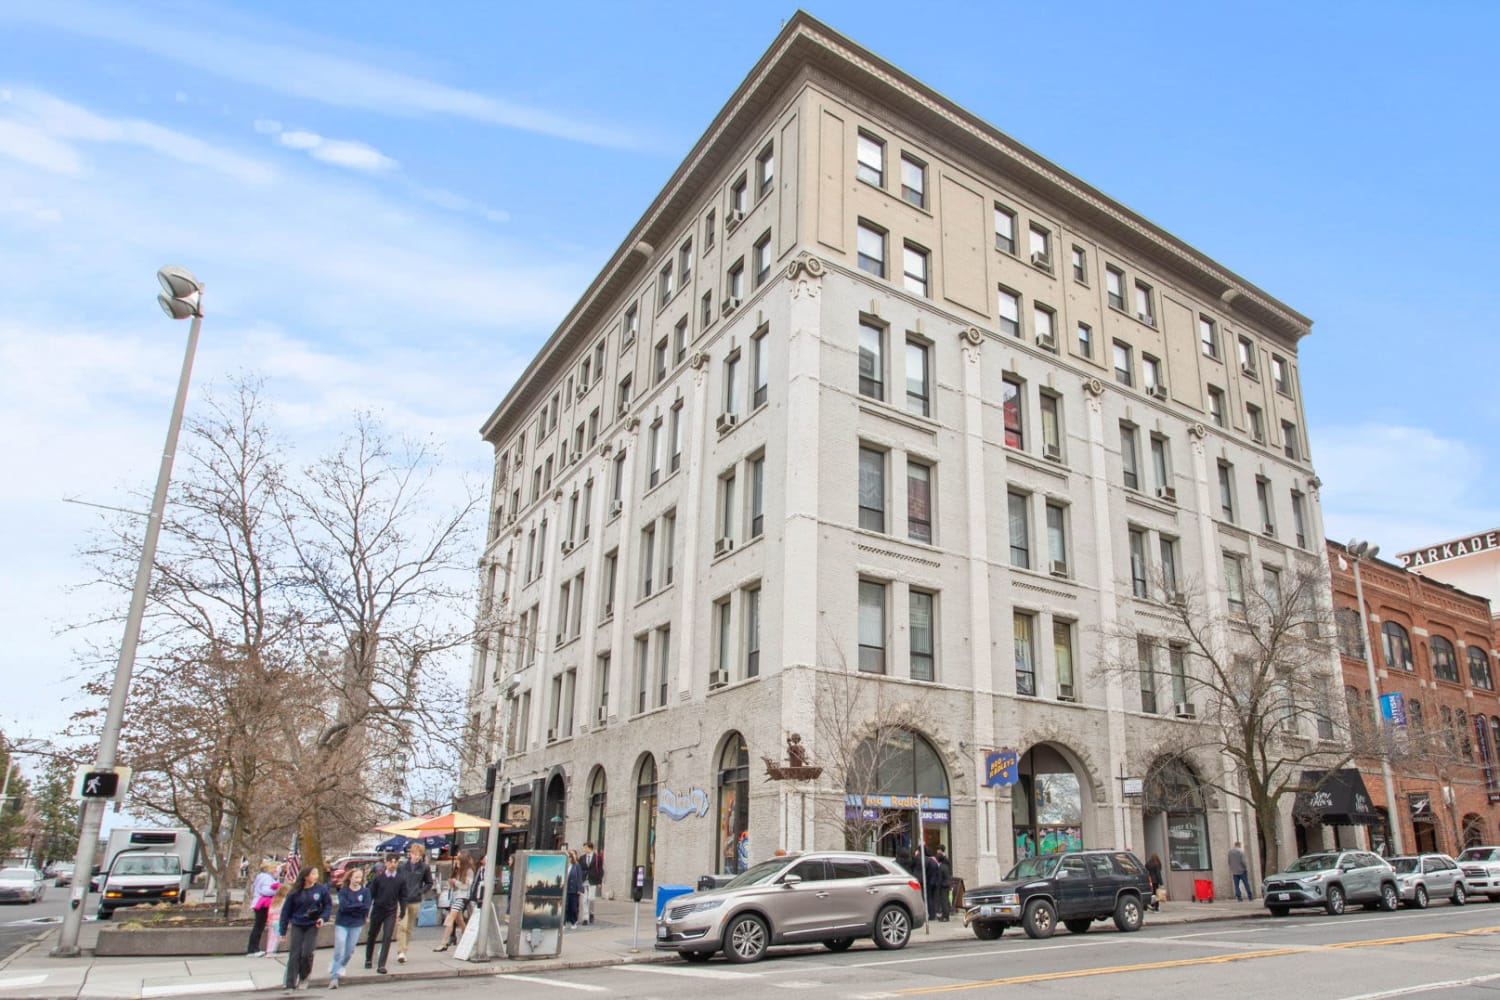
267, 126
339, 152
302, 73
34, 147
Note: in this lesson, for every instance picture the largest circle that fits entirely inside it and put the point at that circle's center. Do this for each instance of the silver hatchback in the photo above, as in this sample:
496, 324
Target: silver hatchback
821, 897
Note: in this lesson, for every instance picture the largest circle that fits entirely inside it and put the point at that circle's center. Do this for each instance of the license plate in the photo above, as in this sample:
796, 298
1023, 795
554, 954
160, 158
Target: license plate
1283, 895
986, 911
661, 933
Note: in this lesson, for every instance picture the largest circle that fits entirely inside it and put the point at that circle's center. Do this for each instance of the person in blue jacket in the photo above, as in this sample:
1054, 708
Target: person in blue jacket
354, 907
306, 909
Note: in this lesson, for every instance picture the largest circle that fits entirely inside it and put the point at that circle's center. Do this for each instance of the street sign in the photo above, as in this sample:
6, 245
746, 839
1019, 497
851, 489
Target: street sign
101, 782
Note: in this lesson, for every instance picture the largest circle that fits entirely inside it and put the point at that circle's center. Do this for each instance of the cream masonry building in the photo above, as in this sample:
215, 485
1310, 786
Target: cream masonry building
874, 399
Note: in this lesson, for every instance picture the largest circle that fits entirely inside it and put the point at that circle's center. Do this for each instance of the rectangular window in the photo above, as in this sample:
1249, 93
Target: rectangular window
1289, 440
706, 310
913, 181
765, 171
1263, 502
601, 686
1216, 406
1010, 408
918, 379
632, 327
587, 507
1270, 579
738, 199
1062, 658
623, 395
642, 672
1080, 266
732, 384
918, 501
1281, 375
599, 360
1151, 377
757, 496
1140, 582
1010, 312
1145, 655
1020, 530
1177, 664
1247, 357
663, 663
1114, 286
680, 341
1208, 333
870, 248
617, 483
1085, 341
871, 489
593, 426
871, 360
685, 262
1041, 246
1057, 539
914, 269
762, 258
871, 627
708, 230
922, 638
1161, 466
1051, 426
1123, 364
726, 639
1299, 519
759, 374
664, 285
607, 595
648, 559
1226, 491
1257, 423
1129, 457
871, 160
1234, 582
1005, 229
1043, 326
1145, 311
1168, 549
668, 546
659, 361
1025, 654
734, 284
752, 632
726, 506
674, 433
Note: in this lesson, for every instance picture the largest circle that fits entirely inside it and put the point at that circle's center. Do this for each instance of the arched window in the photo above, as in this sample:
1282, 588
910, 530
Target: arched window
1414, 716
1397, 646
645, 818
905, 766
1479, 669
734, 805
1444, 662
1465, 743
597, 798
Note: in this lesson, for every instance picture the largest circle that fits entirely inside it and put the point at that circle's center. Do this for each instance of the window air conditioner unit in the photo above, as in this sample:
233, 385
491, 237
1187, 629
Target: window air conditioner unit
1065, 693
733, 218
1047, 342
624, 407
731, 303
1269, 530
1146, 318
577, 457
1041, 260
1052, 453
1247, 369
726, 422
1185, 710
615, 506
601, 715
718, 678
1167, 493
1157, 391
723, 545
552, 736
567, 546
1059, 567
1176, 598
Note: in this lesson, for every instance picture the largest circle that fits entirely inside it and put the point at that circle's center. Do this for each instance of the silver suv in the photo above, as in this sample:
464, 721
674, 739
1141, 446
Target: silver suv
1425, 877
1330, 880
1481, 867
827, 897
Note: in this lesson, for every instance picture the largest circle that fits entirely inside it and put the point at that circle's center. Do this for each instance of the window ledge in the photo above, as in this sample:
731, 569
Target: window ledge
731, 685
885, 411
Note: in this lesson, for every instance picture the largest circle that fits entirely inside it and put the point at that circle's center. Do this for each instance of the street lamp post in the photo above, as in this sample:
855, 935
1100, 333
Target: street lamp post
181, 298
1361, 551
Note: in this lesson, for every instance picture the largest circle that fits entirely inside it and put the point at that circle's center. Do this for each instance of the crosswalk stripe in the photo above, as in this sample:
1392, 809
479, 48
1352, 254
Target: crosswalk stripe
511, 977
20, 981
690, 973
181, 989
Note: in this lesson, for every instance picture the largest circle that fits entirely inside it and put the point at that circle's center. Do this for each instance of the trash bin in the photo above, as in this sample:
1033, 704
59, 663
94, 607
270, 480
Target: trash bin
1203, 890
666, 893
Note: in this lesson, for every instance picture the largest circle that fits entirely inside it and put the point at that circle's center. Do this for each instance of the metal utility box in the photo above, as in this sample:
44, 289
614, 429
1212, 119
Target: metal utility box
538, 891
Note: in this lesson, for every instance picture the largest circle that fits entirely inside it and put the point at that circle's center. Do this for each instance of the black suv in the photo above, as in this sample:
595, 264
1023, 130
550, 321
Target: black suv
1076, 887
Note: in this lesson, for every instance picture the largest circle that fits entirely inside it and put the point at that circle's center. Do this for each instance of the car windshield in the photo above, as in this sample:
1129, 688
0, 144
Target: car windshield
1478, 854
1314, 863
148, 866
1406, 865
1038, 867
757, 874
11, 874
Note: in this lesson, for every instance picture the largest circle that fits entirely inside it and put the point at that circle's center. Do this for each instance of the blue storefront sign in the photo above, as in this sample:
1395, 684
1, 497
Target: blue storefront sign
1393, 708
1001, 767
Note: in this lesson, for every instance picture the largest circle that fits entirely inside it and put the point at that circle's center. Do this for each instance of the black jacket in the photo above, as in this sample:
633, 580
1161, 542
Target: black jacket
385, 891
416, 880
305, 907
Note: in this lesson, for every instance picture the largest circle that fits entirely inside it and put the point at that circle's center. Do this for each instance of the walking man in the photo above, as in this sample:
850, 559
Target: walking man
416, 882
385, 902
945, 882
592, 863
1239, 867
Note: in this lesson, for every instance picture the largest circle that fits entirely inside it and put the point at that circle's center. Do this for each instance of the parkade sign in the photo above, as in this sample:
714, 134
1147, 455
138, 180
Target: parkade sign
1456, 549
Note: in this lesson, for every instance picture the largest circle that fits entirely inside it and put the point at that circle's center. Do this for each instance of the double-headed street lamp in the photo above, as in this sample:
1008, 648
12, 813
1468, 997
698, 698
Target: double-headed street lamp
1360, 551
181, 298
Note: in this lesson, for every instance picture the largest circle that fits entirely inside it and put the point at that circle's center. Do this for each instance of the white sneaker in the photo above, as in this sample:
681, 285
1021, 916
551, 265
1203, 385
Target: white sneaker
401, 957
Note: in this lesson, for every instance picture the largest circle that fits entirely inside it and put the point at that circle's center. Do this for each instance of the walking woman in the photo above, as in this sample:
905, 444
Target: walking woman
574, 890
305, 910
354, 907
1153, 872
261, 892
458, 903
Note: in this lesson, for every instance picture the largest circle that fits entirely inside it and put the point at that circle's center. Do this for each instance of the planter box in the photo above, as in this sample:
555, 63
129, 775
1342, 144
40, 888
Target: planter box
162, 941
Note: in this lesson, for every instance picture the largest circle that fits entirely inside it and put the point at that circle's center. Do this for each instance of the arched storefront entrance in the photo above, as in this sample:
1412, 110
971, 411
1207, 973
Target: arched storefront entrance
1047, 806
1176, 824
734, 805
894, 792
643, 852
554, 812
594, 832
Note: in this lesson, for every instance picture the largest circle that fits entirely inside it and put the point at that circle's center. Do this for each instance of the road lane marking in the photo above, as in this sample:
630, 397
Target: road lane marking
506, 977
182, 989
18, 982
1239, 956
691, 973
1424, 988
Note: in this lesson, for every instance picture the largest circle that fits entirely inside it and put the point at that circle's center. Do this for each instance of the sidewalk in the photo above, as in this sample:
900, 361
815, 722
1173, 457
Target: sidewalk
33, 973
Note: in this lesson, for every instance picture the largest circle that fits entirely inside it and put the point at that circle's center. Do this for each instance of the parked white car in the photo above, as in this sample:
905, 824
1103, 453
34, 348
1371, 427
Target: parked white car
22, 885
1481, 867
1424, 877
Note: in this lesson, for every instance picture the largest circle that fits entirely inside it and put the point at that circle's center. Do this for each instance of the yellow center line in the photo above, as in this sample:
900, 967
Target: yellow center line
1178, 963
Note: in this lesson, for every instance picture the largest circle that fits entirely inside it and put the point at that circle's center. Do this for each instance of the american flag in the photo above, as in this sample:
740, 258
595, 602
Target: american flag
293, 866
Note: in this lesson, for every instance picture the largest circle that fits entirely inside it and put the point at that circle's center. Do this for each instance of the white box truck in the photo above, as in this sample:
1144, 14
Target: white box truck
145, 865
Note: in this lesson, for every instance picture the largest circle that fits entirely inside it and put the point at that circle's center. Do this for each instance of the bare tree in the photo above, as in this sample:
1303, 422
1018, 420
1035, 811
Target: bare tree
1262, 682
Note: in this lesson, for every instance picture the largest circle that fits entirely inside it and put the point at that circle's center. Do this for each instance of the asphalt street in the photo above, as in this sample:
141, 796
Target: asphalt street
20, 922
1448, 952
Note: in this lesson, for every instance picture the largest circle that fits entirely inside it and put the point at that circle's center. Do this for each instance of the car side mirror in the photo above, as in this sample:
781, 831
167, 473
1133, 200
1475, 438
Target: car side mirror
787, 881
1062, 873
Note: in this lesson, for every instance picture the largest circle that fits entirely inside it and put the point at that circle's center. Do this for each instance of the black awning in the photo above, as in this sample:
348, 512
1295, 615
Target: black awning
1338, 798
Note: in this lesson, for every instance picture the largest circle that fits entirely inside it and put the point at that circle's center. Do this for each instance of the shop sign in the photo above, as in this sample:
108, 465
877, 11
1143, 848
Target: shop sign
681, 805
518, 813
1001, 767
1456, 549
857, 801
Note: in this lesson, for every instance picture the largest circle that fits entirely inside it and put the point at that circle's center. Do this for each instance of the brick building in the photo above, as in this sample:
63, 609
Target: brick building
1432, 645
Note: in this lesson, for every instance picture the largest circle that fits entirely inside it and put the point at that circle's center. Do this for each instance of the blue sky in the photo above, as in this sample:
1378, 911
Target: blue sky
393, 204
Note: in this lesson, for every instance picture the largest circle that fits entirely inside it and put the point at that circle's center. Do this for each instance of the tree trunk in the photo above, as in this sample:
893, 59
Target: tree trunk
1269, 832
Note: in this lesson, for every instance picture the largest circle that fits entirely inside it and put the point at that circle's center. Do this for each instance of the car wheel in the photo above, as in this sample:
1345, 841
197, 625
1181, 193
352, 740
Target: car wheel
1079, 925
1335, 903
1493, 898
746, 939
1419, 898
892, 927
1390, 899
697, 956
838, 944
1280, 911
988, 930
1040, 919
1460, 894
1128, 914
104, 914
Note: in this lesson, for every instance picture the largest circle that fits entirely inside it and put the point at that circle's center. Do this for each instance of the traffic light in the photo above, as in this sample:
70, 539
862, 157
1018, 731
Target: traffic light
100, 784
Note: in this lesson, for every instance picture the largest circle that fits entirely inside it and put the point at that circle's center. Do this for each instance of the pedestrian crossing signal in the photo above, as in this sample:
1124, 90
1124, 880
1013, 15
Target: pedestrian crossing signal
100, 784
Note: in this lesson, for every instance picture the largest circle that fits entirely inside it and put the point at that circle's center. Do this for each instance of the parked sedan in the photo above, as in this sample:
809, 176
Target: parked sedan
827, 897
22, 885
62, 873
1424, 877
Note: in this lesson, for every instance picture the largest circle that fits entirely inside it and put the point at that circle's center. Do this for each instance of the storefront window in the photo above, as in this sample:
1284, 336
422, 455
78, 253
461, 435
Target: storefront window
645, 819
1187, 841
734, 805
596, 809
892, 792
